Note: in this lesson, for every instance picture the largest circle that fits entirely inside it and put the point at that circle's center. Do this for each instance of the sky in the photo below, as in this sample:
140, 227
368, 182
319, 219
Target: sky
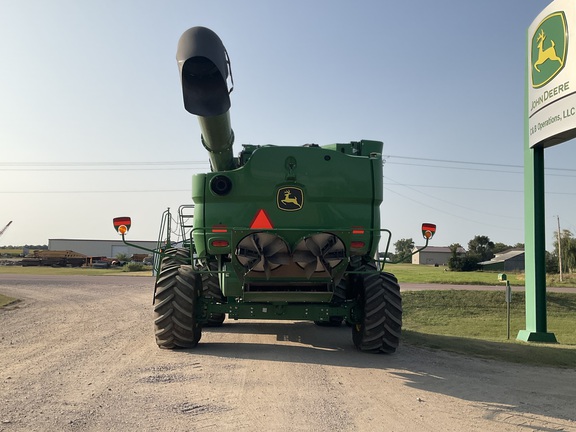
92, 124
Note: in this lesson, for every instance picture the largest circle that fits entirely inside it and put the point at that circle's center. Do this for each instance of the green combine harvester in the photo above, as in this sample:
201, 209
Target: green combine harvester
277, 233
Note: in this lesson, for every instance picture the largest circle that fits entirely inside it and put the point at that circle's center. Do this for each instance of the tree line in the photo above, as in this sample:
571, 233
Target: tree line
34, 247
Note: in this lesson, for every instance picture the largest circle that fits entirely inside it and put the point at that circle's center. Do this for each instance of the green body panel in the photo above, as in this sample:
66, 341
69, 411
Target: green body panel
341, 191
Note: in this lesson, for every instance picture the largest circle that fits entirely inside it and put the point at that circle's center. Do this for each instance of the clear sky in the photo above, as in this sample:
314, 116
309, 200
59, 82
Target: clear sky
92, 124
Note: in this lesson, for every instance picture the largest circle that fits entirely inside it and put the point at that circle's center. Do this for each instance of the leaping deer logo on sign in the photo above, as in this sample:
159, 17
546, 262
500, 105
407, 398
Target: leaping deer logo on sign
549, 49
546, 54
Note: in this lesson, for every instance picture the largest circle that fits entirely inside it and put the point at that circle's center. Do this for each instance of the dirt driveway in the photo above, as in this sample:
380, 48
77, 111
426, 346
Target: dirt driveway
78, 354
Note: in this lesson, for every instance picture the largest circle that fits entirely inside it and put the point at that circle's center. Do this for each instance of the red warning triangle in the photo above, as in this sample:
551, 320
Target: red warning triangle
261, 221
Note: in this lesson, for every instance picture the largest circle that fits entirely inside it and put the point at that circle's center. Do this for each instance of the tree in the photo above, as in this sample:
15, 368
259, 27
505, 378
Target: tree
480, 248
500, 247
404, 249
568, 249
454, 249
461, 262
551, 263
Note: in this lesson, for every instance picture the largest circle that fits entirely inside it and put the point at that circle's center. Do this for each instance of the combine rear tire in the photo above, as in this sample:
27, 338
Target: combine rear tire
175, 300
381, 325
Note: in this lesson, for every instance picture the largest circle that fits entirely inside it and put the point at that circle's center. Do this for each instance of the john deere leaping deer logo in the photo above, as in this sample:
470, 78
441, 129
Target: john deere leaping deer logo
549, 47
290, 198
546, 54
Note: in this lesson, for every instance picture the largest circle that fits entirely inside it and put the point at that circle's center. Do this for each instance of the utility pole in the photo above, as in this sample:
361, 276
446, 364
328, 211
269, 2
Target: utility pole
559, 248
5, 228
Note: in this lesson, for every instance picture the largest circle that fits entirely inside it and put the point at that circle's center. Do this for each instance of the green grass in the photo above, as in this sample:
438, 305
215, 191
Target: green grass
5, 300
11, 252
474, 323
410, 273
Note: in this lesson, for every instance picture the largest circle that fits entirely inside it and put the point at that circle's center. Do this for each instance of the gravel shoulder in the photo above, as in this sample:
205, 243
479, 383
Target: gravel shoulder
78, 353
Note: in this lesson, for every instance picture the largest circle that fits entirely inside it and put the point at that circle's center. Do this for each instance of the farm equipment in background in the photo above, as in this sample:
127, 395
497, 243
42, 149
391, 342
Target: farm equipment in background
279, 233
54, 258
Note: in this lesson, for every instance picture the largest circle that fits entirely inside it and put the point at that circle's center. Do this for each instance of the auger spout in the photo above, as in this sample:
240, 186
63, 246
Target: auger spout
204, 69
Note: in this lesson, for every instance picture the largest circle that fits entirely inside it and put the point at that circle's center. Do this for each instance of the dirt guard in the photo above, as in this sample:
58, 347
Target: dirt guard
279, 232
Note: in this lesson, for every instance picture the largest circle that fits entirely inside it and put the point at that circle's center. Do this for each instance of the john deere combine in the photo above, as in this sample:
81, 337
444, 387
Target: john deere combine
279, 233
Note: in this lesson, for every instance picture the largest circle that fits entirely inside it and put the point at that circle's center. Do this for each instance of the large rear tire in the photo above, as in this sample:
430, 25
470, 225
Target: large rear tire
175, 299
381, 324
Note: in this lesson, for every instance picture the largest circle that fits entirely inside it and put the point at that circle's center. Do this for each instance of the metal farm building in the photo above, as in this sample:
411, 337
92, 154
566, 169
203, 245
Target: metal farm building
99, 248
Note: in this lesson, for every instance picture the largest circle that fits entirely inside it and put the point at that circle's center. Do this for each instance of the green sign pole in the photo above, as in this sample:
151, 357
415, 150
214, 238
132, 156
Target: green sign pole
535, 247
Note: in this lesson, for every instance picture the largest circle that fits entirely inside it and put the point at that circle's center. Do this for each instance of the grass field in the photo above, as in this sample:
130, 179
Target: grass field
474, 323
409, 273
11, 252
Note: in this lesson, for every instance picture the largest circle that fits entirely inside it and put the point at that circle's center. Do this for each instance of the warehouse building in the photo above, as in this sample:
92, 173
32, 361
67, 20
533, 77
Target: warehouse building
434, 255
509, 260
100, 248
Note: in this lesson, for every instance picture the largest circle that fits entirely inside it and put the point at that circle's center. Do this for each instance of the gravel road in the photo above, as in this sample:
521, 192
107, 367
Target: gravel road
78, 354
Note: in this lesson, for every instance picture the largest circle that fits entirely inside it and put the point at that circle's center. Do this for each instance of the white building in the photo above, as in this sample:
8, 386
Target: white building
434, 255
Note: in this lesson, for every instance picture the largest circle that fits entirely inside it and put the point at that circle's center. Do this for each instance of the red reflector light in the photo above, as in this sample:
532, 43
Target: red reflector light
261, 221
357, 230
220, 243
428, 230
219, 229
357, 244
122, 221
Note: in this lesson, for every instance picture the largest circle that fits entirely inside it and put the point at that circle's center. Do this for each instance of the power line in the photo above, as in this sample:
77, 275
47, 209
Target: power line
103, 169
453, 161
113, 163
454, 168
96, 191
454, 187
471, 163
436, 199
474, 188
105, 166
451, 214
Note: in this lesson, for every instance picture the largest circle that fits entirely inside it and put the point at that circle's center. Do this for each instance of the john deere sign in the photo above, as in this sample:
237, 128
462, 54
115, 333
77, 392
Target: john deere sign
551, 70
550, 118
